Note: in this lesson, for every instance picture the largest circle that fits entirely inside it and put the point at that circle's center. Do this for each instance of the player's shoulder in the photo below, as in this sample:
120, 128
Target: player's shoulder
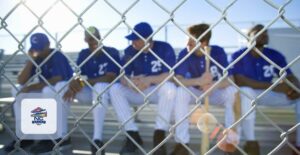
272, 52
84, 52
130, 50
217, 49
58, 56
162, 44
111, 50
183, 53
57, 53
238, 52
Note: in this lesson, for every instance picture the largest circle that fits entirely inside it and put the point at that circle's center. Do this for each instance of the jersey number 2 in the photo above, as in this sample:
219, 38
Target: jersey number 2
156, 66
268, 71
102, 68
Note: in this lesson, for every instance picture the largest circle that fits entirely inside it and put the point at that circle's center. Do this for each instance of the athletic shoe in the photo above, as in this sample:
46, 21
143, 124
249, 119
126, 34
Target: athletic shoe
252, 148
94, 149
23, 144
158, 137
130, 148
180, 150
46, 146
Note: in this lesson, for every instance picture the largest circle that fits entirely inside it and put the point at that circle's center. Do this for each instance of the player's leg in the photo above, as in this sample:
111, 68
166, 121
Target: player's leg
248, 124
166, 101
14, 92
61, 88
165, 98
84, 96
274, 99
119, 96
297, 102
24, 143
99, 113
297, 109
45, 146
181, 109
225, 97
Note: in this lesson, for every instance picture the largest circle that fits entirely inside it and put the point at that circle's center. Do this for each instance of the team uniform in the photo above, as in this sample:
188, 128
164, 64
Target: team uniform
57, 65
193, 67
146, 64
260, 70
95, 67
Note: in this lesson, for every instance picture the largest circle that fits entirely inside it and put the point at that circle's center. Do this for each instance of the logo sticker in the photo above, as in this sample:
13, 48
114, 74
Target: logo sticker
38, 115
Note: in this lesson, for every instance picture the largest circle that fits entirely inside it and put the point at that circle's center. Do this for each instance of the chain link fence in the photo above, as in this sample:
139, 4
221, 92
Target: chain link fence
78, 124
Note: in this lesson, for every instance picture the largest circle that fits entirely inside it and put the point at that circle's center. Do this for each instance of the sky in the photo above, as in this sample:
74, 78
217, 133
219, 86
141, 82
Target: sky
62, 23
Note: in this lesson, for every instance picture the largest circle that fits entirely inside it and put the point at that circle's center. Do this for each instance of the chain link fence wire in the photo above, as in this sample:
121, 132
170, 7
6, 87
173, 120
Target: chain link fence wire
78, 125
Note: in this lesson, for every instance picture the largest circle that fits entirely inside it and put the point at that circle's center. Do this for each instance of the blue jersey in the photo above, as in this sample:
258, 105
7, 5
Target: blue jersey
56, 65
146, 63
194, 66
99, 64
258, 68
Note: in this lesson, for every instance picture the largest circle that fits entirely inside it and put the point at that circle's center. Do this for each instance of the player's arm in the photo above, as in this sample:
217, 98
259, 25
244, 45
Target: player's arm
205, 79
41, 85
156, 79
244, 81
143, 82
25, 74
225, 83
108, 77
289, 91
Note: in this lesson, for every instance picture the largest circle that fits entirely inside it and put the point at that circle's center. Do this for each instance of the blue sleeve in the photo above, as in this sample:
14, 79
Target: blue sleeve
129, 68
61, 66
282, 63
238, 66
80, 59
182, 69
169, 58
113, 67
222, 59
37, 61
32, 71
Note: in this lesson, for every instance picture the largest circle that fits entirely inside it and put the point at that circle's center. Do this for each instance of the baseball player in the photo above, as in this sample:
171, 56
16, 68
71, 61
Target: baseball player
254, 75
100, 70
192, 75
147, 72
57, 71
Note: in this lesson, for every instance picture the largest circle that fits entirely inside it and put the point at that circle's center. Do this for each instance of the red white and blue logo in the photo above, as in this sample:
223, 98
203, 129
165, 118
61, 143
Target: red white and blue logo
38, 115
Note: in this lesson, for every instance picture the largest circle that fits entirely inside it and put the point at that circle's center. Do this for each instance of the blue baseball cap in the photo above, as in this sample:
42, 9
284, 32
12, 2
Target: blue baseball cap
38, 41
143, 29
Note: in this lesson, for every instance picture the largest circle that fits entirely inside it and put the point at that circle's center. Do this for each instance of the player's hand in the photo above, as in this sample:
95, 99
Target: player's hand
69, 95
27, 89
141, 82
293, 95
144, 83
124, 82
205, 79
75, 85
33, 54
204, 88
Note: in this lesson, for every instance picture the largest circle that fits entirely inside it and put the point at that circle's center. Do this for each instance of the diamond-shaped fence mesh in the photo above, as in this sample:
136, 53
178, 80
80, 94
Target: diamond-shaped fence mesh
149, 115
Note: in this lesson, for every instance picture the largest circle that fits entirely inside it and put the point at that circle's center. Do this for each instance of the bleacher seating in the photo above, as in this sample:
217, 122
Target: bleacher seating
265, 133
